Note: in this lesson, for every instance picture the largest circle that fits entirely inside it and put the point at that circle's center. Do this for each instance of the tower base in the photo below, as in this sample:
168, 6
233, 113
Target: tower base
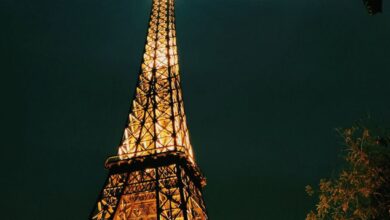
165, 186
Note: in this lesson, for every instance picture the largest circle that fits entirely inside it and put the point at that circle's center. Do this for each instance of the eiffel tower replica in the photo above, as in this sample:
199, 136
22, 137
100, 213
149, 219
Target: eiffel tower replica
154, 175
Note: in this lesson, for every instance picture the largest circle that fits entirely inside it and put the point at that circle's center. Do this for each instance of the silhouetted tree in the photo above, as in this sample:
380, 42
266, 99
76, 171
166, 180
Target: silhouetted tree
361, 189
373, 6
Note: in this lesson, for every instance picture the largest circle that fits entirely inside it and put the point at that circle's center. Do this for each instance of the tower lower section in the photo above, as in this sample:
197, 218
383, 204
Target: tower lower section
165, 186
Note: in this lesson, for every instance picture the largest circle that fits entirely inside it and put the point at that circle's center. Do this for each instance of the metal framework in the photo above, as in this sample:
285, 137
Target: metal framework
154, 175
157, 122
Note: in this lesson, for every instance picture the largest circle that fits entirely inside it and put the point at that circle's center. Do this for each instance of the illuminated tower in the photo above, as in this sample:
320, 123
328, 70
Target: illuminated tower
154, 175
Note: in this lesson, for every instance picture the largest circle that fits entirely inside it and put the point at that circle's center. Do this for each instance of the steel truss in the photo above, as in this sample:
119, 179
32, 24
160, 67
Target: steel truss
154, 175
164, 187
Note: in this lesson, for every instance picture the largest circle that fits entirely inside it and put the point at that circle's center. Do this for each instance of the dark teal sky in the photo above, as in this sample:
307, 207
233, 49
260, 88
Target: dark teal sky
265, 83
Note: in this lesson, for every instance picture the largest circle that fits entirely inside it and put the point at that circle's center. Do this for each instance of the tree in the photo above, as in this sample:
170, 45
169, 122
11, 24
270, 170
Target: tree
361, 189
373, 6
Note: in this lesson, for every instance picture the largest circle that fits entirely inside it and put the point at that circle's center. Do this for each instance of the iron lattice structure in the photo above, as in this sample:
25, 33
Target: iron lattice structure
154, 175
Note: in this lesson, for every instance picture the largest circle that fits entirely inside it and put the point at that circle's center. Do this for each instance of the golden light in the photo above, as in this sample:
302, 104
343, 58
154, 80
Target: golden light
154, 175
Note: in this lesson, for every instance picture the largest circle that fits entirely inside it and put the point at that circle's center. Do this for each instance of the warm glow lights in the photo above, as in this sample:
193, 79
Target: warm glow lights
157, 122
154, 176
138, 200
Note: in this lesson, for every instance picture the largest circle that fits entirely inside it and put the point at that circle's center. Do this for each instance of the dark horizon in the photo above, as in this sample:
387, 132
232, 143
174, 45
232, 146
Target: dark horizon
265, 84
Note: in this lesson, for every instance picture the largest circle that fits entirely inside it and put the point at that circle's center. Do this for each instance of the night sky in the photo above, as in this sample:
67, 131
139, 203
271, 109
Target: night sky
265, 82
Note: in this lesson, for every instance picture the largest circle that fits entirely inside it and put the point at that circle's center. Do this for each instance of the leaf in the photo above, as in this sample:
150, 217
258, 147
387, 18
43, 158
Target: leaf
345, 206
309, 190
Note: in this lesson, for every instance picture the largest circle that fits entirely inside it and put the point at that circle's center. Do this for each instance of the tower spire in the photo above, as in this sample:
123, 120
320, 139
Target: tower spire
157, 122
154, 175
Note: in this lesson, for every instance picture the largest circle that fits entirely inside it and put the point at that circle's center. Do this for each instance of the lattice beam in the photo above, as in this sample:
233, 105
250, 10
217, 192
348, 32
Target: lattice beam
154, 176
165, 192
157, 121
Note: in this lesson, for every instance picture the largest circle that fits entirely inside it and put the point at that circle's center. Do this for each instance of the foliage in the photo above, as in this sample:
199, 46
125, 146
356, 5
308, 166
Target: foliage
361, 189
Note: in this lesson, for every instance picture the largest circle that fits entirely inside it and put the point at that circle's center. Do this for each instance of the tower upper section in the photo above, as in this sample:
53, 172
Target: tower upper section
157, 122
